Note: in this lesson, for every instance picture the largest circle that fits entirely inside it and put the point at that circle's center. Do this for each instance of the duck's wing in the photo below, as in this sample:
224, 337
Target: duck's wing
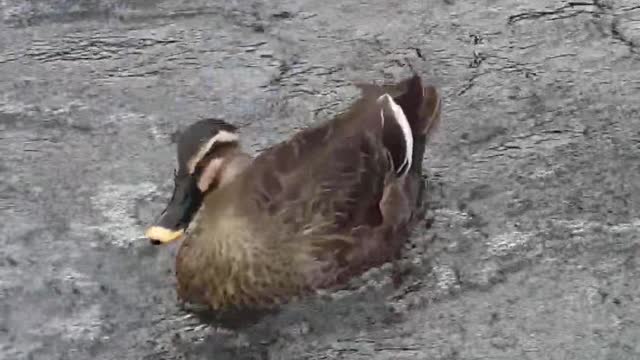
330, 179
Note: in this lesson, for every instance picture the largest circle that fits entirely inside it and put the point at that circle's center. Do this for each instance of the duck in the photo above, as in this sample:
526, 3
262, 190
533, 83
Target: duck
305, 215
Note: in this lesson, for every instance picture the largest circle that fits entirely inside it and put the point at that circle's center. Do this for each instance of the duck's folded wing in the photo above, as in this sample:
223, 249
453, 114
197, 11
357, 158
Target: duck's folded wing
331, 192
331, 178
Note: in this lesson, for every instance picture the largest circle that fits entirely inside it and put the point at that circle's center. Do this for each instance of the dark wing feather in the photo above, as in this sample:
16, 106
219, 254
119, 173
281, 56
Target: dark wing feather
316, 184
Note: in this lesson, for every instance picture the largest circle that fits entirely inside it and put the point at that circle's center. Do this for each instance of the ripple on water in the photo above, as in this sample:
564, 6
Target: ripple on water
117, 204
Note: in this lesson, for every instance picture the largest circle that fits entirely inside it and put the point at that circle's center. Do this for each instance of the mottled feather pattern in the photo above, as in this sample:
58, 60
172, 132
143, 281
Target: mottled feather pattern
236, 275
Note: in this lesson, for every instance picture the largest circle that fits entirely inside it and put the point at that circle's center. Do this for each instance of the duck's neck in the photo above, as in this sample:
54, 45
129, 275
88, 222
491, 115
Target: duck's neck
235, 163
213, 252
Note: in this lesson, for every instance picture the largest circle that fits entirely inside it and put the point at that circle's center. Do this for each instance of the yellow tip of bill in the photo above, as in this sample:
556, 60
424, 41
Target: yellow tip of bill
163, 235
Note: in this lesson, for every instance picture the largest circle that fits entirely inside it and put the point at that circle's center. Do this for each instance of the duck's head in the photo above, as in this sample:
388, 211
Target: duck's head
209, 155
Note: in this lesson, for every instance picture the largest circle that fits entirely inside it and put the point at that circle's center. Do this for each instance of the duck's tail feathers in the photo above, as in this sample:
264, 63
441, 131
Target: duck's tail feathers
422, 106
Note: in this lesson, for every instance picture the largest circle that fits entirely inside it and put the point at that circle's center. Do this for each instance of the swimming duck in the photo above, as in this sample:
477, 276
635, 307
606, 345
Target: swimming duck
307, 214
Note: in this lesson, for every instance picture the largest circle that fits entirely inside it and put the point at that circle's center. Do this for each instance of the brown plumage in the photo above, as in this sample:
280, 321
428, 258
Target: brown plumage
306, 214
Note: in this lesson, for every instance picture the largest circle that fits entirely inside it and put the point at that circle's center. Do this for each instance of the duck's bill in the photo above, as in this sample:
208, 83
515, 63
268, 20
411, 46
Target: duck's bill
161, 235
182, 207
